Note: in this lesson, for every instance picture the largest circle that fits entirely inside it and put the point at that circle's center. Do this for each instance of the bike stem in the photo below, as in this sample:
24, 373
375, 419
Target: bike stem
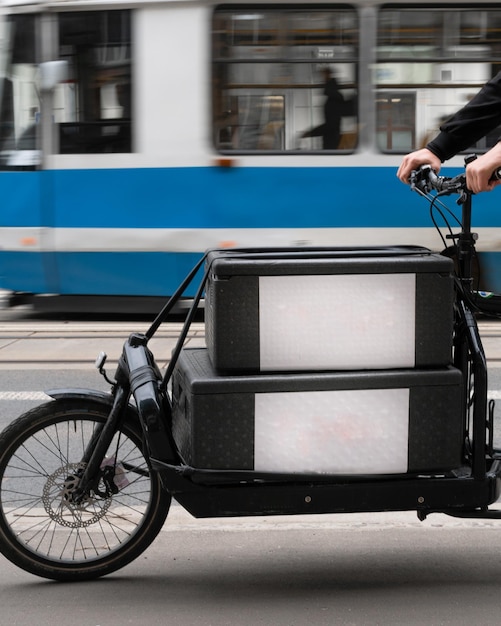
466, 243
466, 239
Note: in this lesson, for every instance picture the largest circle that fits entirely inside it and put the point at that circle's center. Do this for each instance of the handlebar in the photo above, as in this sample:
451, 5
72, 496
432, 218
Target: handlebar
425, 180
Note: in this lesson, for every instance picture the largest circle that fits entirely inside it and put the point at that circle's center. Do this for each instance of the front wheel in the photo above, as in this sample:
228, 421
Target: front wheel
41, 529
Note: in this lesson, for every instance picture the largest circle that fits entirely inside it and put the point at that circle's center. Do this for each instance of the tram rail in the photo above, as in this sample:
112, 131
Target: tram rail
56, 343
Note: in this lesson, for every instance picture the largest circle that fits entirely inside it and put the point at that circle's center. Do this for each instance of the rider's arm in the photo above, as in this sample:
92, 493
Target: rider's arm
480, 116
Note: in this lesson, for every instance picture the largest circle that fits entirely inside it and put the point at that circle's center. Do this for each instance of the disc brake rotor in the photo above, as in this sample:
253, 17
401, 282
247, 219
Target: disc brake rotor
58, 504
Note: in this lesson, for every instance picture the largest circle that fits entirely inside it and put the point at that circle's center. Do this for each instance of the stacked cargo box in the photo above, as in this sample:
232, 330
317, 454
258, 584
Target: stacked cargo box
323, 362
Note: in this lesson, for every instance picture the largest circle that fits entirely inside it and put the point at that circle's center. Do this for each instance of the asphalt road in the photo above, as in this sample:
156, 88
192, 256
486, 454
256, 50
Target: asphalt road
384, 569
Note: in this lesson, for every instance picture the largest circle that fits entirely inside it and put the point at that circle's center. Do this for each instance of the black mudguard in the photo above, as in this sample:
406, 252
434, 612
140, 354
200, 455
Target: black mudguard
99, 397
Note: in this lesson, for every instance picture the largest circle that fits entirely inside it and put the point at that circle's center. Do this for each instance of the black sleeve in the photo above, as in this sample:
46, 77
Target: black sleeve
480, 116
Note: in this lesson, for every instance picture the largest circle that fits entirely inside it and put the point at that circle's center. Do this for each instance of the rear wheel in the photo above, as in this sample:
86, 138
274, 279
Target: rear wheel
41, 529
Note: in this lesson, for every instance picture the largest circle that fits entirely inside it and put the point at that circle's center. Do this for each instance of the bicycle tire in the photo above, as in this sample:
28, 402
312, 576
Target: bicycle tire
41, 531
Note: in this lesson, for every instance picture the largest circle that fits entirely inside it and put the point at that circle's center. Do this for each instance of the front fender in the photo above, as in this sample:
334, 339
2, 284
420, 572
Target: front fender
101, 397
73, 392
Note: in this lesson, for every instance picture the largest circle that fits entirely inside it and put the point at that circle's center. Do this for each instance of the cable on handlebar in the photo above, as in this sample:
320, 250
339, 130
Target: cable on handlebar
424, 181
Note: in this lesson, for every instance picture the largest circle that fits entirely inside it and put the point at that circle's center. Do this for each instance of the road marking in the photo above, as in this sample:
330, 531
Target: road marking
23, 395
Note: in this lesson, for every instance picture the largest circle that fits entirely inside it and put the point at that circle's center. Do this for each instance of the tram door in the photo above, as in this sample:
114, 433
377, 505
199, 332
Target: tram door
65, 81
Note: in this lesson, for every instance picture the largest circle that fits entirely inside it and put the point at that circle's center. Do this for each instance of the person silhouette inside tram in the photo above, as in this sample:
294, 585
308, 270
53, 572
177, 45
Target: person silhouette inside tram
334, 105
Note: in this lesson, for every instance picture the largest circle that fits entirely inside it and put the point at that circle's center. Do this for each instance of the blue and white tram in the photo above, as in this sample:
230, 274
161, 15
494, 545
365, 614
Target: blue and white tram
134, 135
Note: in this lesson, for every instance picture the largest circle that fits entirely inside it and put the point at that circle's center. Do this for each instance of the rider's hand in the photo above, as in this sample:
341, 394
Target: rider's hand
479, 172
414, 160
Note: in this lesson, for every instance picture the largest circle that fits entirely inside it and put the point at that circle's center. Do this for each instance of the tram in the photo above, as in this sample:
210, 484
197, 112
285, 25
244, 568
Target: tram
134, 135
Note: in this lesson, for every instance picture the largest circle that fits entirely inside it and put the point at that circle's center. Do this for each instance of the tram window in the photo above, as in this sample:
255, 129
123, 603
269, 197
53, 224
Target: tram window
430, 62
395, 115
93, 109
19, 98
284, 80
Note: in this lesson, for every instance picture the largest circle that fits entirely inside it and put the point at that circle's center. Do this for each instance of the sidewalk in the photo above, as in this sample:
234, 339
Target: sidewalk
75, 345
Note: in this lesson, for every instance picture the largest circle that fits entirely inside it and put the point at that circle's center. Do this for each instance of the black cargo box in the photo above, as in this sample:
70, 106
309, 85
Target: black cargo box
371, 422
329, 310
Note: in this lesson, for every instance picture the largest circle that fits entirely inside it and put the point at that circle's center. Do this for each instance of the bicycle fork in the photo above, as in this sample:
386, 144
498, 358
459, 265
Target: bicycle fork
98, 446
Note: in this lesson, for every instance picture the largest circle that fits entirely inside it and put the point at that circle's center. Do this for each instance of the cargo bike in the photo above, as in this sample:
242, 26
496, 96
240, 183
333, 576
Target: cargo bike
332, 381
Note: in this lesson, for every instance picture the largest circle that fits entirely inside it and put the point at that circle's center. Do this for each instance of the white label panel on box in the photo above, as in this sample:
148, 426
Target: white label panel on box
362, 431
342, 321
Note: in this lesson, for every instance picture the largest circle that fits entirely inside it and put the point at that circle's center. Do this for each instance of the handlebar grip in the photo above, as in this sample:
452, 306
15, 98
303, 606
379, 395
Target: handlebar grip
496, 175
